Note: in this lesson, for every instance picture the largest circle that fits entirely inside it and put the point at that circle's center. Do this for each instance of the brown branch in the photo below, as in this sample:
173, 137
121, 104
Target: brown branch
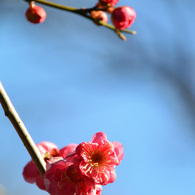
19, 126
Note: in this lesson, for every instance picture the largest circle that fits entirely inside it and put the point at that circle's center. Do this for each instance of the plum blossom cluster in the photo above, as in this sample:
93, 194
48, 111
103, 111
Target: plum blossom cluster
122, 17
77, 169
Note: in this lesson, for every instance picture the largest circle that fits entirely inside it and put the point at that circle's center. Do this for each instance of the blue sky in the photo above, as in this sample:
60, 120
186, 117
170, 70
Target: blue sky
69, 79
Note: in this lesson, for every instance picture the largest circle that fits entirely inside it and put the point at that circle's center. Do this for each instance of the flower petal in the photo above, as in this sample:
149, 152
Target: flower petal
85, 149
30, 172
118, 148
98, 137
112, 176
68, 149
40, 182
46, 147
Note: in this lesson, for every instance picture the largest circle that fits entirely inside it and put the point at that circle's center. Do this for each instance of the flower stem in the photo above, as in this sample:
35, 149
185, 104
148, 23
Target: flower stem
19, 126
85, 12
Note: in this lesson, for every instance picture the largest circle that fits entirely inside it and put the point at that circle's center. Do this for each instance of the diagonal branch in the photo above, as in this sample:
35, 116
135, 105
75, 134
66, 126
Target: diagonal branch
19, 126
85, 12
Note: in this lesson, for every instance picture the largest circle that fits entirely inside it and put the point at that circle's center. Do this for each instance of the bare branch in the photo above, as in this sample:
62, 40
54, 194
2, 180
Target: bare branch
19, 126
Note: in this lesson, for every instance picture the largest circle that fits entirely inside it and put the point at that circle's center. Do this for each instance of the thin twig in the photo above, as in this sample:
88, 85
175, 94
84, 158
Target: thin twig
19, 126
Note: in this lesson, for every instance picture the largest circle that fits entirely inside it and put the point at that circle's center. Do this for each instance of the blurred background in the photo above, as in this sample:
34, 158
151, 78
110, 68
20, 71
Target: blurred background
69, 79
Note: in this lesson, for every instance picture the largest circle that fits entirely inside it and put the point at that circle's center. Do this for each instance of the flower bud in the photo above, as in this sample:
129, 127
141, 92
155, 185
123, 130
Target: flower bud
123, 17
35, 14
108, 2
99, 15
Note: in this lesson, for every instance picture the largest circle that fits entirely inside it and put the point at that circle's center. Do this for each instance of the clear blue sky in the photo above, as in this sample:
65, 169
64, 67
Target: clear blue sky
69, 79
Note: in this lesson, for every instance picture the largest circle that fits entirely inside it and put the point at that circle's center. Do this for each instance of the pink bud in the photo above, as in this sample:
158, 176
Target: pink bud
35, 14
123, 17
99, 15
108, 2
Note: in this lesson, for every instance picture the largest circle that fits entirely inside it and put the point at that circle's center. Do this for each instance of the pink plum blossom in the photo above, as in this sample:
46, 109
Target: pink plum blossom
77, 169
99, 158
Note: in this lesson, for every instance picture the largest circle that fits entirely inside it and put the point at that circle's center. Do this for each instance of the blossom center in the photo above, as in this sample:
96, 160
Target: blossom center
97, 158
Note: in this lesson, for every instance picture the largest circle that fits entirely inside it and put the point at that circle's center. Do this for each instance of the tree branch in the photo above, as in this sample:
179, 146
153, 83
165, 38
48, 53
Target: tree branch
19, 126
85, 12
